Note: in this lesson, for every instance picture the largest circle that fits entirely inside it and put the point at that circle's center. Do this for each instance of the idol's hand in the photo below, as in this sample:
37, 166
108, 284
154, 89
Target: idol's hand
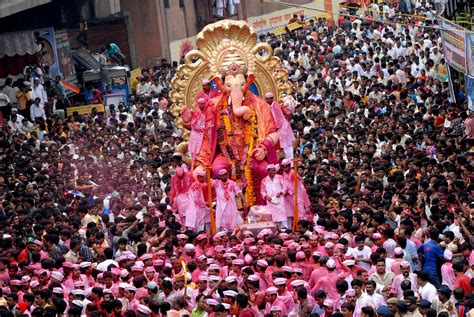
259, 153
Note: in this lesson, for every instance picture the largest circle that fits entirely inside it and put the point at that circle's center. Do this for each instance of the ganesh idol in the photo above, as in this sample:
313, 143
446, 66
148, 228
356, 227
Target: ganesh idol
239, 133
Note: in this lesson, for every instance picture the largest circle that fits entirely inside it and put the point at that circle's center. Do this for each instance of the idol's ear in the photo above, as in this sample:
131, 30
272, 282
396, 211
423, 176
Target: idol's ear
219, 84
250, 79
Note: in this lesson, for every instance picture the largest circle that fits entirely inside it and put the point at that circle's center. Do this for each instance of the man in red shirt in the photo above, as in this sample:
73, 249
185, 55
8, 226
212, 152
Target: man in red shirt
462, 280
243, 303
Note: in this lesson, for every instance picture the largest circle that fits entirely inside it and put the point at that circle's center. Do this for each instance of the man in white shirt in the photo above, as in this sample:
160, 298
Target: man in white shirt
426, 289
103, 266
362, 299
376, 94
156, 88
377, 299
311, 78
354, 66
382, 277
26, 126
453, 227
406, 275
39, 91
13, 124
273, 190
361, 253
143, 88
436, 56
37, 111
5, 105
11, 91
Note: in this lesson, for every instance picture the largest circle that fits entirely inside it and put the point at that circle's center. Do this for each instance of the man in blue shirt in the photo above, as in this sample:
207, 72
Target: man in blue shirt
112, 51
431, 254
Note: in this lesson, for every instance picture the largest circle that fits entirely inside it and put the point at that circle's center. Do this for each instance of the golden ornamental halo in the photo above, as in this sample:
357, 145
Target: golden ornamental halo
223, 48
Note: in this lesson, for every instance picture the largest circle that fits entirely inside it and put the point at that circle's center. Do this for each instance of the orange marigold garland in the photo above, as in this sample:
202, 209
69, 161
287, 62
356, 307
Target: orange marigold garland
250, 135
224, 129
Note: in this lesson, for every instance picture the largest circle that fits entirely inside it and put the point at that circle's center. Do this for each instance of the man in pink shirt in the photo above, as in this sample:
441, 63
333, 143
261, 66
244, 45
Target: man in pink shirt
327, 283
200, 289
206, 93
303, 200
447, 271
282, 124
283, 294
227, 214
395, 267
272, 300
260, 268
317, 274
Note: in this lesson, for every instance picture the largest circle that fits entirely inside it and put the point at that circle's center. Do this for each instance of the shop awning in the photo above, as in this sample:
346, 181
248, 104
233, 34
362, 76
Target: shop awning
9, 7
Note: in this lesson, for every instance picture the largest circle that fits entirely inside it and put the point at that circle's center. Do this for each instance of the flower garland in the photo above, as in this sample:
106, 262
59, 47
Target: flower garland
224, 129
250, 135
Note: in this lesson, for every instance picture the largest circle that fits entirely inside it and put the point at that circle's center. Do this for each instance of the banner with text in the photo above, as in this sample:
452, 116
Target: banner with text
454, 44
267, 22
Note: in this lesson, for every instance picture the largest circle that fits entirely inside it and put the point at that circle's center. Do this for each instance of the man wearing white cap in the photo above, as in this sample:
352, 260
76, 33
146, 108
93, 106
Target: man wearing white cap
283, 126
227, 214
206, 92
39, 91
181, 182
271, 294
201, 288
283, 294
406, 275
197, 213
198, 123
327, 283
273, 189
143, 311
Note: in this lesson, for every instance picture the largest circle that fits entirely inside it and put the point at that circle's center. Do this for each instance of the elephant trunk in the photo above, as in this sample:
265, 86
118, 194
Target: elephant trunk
237, 95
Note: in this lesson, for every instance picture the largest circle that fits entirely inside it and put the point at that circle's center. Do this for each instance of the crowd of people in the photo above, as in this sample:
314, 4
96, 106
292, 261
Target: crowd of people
88, 215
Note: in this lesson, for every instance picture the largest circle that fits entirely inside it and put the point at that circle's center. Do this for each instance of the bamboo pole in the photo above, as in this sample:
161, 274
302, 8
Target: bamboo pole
295, 211
209, 193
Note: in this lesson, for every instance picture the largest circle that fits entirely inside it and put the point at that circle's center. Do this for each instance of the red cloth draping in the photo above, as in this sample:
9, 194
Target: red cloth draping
14, 65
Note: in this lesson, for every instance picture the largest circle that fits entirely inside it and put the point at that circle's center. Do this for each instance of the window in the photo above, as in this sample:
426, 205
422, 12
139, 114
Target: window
167, 4
225, 8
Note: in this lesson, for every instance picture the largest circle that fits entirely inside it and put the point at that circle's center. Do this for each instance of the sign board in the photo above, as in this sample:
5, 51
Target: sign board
454, 45
46, 39
63, 49
86, 109
280, 18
